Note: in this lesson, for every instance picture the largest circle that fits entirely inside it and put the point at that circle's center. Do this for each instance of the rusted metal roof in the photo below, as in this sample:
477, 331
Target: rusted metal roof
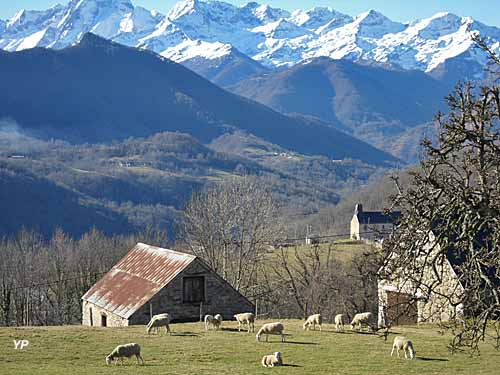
136, 278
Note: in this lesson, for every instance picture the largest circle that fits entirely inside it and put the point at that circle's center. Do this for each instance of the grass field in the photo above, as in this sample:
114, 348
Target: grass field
342, 251
77, 350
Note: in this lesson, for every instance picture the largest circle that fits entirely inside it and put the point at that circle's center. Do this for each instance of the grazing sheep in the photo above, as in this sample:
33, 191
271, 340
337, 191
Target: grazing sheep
127, 350
339, 322
219, 318
246, 318
271, 329
360, 319
401, 342
313, 320
272, 360
214, 321
157, 321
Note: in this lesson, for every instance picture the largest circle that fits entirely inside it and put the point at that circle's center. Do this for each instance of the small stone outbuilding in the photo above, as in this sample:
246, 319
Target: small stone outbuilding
150, 280
400, 303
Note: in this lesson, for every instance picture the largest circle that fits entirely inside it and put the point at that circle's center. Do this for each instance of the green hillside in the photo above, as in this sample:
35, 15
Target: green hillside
129, 185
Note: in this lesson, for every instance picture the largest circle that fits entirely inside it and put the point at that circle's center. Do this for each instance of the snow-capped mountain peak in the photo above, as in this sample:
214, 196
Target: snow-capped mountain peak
17, 19
182, 8
272, 36
190, 49
374, 24
319, 17
281, 29
102, 4
443, 23
267, 14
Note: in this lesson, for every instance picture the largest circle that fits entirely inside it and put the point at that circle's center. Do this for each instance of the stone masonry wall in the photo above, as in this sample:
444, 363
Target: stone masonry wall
220, 298
113, 320
432, 309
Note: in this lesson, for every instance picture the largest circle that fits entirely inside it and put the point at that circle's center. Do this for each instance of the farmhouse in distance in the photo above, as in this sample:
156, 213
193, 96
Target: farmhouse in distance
372, 225
151, 280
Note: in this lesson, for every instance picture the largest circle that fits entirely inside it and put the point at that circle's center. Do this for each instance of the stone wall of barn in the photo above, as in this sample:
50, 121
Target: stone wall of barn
431, 308
92, 317
220, 298
438, 308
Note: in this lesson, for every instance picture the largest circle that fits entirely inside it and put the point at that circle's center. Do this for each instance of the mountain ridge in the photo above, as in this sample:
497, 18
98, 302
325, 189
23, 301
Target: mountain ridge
274, 37
372, 103
98, 96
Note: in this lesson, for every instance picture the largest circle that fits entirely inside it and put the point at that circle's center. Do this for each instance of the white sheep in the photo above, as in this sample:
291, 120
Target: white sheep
339, 322
271, 329
214, 321
157, 321
272, 360
220, 319
360, 319
127, 350
246, 318
402, 343
313, 320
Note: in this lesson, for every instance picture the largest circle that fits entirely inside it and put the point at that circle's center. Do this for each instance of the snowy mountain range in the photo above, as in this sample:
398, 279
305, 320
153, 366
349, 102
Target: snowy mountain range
213, 30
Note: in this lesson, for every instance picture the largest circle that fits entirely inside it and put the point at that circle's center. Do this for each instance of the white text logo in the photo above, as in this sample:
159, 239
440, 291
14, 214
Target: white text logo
21, 344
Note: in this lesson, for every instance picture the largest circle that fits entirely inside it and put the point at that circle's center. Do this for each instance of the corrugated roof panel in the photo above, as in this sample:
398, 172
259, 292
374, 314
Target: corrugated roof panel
136, 278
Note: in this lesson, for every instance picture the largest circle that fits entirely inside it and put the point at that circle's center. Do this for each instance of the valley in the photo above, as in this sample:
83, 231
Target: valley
239, 163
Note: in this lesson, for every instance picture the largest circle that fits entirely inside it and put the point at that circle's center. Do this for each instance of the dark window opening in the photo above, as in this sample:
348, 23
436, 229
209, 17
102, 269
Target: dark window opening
104, 321
194, 289
91, 315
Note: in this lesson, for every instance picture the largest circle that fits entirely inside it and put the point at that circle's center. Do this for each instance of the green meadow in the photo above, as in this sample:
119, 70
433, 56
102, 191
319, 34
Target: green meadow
73, 350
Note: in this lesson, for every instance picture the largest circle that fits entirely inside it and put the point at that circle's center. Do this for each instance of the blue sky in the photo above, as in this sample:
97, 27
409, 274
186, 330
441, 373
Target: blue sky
487, 11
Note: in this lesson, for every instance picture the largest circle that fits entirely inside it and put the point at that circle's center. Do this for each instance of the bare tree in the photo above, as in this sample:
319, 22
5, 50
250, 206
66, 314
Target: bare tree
230, 226
311, 279
28, 246
7, 282
452, 214
42, 282
358, 282
305, 274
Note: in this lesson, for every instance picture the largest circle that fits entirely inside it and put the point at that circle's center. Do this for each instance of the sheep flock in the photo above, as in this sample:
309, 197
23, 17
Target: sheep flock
277, 328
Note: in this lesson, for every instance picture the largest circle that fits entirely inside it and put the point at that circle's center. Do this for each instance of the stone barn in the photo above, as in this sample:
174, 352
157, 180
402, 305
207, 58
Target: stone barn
400, 304
150, 280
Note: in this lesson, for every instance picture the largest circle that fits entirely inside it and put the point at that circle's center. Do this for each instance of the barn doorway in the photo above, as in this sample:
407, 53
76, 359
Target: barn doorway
91, 316
104, 320
401, 309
